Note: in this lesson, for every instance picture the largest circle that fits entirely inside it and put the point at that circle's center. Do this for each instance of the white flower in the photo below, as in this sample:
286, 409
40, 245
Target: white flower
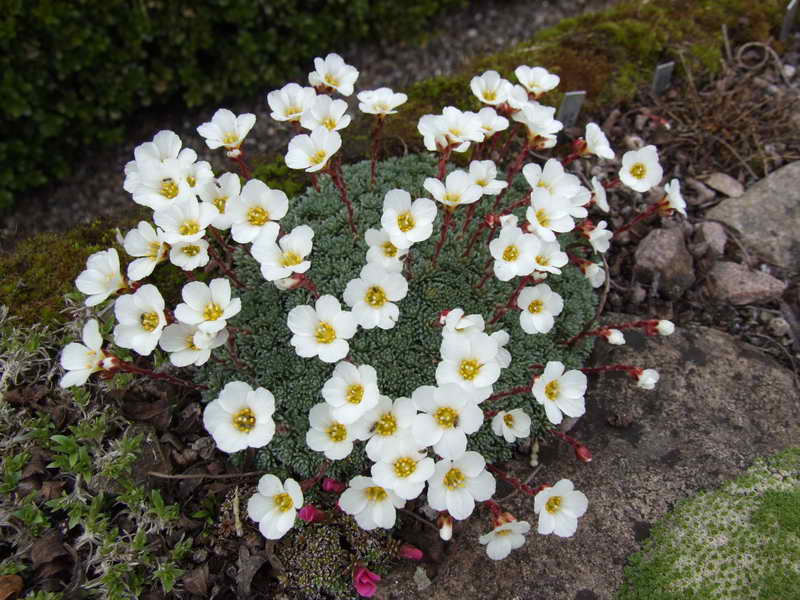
352, 391
403, 468
101, 278
664, 327
457, 484
383, 252
484, 174
458, 188
599, 194
540, 121
312, 152
334, 73
457, 323
640, 169
329, 435
326, 112
147, 243
615, 337
189, 255
537, 80
371, 505
240, 417
503, 357
491, 122
208, 306
597, 142
254, 212
460, 128
290, 102
221, 194
552, 178
490, 88
434, 134
185, 221
549, 257
382, 101
519, 97
560, 392
674, 198
198, 174
226, 129
165, 145
81, 360
600, 237
140, 318
595, 274
540, 305
188, 345
407, 223
512, 424
548, 214
161, 184
387, 423
449, 414
274, 506
559, 507
372, 297
280, 259
504, 538
513, 252
647, 379
469, 361
321, 331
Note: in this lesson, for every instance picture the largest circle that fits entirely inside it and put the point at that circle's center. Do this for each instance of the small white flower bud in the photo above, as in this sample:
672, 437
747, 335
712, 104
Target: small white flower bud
614, 336
648, 379
665, 327
287, 283
596, 275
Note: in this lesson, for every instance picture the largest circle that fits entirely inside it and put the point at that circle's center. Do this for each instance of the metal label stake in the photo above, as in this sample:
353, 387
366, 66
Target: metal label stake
570, 108
662, 78
789, 19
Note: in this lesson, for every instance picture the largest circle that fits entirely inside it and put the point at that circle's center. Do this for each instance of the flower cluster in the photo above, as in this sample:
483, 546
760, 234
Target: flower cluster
419, 443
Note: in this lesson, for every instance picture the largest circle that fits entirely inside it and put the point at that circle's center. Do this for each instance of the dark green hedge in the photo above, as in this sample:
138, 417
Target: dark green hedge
73, 71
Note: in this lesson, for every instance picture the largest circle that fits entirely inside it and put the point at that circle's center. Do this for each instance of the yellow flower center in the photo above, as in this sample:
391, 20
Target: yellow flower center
381, 107
375, 493
220, 202
189, 227
292, 111
551, 390
389, 249
452, 197
639, 170
149, 321
257, 215
386, 425
405, 222
446, 417
212, 311
553, 504
490, 95
403, 467
169, 189
191, 250
542, 218
331, 80
191, 180
535, 307
230, 139
329, 123
508, 419
503, 532
283, 502
542, 261
511, 253
244, 420
355, 393
318, 157
482, 182
290, 259
469, 369
454, 479
543, 184
454, 131
190, 344
337, 432
325, 333
155, 250
375, 296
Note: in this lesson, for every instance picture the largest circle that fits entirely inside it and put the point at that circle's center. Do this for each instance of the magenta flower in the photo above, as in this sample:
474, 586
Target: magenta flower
365, 582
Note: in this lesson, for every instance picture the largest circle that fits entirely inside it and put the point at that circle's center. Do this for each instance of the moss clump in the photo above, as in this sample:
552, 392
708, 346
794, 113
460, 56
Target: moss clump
742, 541
405, 357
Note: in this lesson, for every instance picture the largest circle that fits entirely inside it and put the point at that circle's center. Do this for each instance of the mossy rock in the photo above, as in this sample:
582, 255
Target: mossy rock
741, 541
405, 356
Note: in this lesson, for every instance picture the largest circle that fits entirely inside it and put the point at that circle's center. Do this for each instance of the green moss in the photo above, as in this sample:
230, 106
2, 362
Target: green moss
278, 176
741, 541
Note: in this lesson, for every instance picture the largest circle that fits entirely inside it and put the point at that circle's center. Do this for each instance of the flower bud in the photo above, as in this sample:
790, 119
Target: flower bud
664, 327
503, 518
410, 552
311, 514
583, 453
445, 524
287, 283
365, 582
332, 485
647, 378
595, 274
614, 336
443, 316
508, 220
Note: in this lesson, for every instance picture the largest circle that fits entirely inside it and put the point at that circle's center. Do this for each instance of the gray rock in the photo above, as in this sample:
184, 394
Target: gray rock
714, 235
662, 256
718, 406
767, 216
725, 184
735, 283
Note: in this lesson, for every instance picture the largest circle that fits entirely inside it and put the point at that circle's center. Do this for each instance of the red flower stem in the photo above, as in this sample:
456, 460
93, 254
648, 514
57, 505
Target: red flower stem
127, 367
375, 148
486, 274
475, 237
335, 171
407, 265
314, 181
445, 156
612, 183
309, 483
649, 326
224, 268
446, 223
521, 389
630, 370
221, 241
493, 506
651, 210
244, 170
307, 283
511, 301
509, 137
512, 172
516, 483
565, 438
469, 217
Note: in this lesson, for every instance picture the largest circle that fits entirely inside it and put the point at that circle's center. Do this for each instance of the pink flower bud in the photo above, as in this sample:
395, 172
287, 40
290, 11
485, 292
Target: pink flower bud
332, 485
443, 316
311, 514
410, 552
583, 453
365, 582
445, 524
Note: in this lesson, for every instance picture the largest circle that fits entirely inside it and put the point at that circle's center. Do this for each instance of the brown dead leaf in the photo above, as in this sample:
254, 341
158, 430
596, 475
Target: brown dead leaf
47, 548
10, 587
196, 581
248, 565
157, 413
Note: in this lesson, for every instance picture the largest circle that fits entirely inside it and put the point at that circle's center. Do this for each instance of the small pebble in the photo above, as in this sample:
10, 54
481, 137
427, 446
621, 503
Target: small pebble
779, 327
789, 71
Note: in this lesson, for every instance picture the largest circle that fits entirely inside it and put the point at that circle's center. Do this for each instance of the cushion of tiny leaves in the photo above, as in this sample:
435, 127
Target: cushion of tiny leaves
405, 357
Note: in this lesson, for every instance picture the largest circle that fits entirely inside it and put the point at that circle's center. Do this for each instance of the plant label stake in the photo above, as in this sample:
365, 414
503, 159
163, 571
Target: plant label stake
663, 77
788, 19
570, 108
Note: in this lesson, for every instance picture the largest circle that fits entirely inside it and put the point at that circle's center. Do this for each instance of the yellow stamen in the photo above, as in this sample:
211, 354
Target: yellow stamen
331, 80
375, 493
244, 420
446, 417
191, 180
230, 139
257, 215
337, 432
406, 222
283, 502
403, 467
212, 311
329, 123
189, 227
469, 369
638, 170
553, 505
190, 344
355, 393
149, 321
386, 425
325, 333
290, 259
535, 307
454, 479
508, 419
551, 390
490, 95
452, 197
375, 296
389, 249
318, 157
292, 111
542, 218
191, 250
155, 251
511, 253
220, 202
169, 189
542, 261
